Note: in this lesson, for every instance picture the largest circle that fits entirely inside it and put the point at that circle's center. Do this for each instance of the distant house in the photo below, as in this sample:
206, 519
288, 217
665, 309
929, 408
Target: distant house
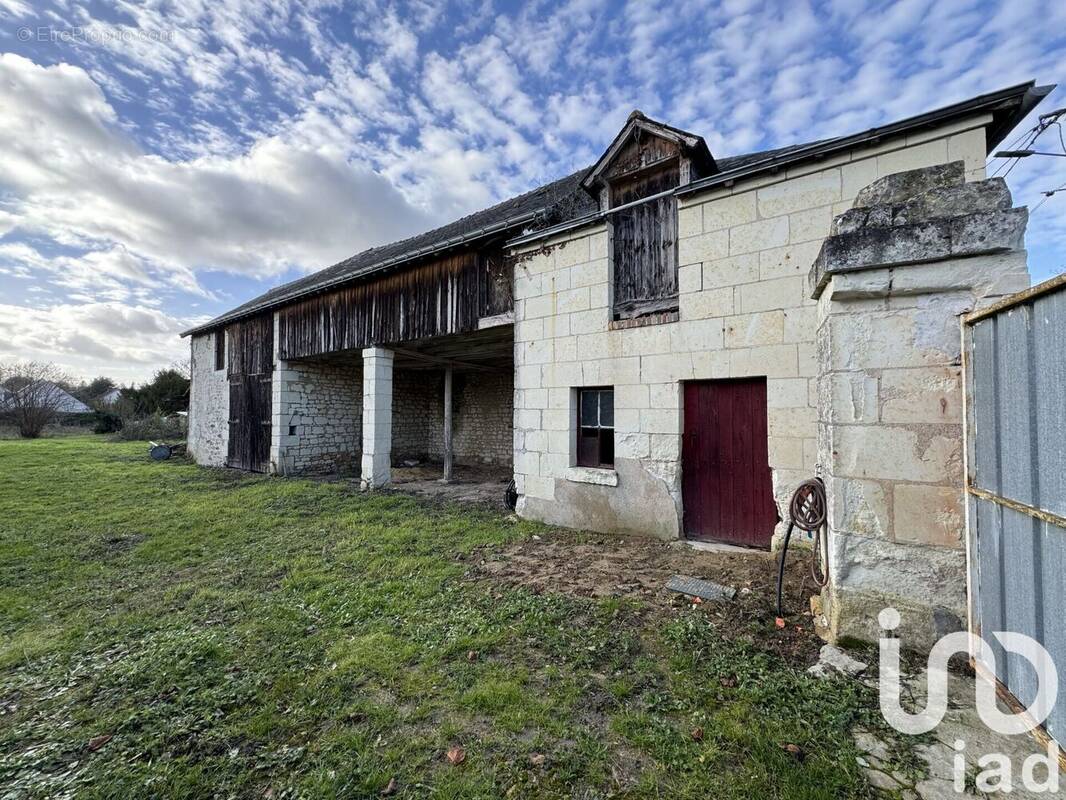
110, 397
64, 402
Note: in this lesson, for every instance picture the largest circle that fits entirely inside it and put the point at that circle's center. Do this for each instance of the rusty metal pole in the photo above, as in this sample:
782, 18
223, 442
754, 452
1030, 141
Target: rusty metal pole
447, 424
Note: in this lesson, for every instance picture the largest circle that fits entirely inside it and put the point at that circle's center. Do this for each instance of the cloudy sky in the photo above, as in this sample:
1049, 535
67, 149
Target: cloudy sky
161, 162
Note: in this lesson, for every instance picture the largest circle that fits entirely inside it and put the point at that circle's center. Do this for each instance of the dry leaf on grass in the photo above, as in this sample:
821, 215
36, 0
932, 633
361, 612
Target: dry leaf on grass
456, 756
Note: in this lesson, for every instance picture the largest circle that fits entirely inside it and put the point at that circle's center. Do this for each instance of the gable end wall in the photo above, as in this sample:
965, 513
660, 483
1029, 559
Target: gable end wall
744, 255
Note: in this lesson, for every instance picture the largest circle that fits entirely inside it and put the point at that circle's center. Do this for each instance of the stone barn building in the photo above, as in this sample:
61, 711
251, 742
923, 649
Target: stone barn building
666, 344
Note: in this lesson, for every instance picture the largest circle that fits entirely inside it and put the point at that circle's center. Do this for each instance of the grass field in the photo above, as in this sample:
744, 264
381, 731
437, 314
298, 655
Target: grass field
173, 631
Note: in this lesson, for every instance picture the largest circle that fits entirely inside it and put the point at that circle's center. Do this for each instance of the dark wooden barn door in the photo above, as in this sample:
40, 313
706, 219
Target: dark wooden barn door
726, 484
251, 372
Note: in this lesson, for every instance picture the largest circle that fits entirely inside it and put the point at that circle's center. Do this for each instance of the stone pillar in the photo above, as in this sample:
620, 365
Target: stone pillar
282, 397
917, 250
448, 451
377, 417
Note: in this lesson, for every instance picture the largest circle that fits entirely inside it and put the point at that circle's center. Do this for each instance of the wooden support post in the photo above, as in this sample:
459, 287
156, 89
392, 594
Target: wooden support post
447, 424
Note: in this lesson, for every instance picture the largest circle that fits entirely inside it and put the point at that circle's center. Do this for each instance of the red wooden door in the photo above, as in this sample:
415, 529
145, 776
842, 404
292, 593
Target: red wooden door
726, 485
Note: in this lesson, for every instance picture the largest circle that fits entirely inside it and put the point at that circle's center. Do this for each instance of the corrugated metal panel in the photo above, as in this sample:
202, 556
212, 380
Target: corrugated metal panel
1049, 371
1016, 447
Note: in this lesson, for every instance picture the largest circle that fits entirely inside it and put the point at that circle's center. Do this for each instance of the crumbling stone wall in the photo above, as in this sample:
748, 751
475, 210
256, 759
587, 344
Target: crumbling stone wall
208, 438
917, 250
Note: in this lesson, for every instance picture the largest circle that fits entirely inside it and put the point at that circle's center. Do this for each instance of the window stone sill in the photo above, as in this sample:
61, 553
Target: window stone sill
659, 318
600, 477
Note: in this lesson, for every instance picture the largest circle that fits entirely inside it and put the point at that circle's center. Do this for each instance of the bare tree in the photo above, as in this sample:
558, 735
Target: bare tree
183, 366
31, 395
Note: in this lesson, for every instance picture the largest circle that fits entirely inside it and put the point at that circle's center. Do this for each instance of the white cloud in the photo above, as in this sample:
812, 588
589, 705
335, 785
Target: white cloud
78, 178
125, 342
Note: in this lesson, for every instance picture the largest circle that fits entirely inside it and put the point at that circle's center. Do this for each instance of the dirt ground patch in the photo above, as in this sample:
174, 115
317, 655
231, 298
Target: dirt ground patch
584, 565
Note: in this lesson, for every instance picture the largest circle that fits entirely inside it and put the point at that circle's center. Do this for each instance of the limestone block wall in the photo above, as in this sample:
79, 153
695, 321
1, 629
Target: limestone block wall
317, 417
745, 310
208, 438
918, 250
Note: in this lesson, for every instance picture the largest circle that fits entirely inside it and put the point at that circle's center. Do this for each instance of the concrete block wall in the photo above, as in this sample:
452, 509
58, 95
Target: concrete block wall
208, 438
317, 417
744, 310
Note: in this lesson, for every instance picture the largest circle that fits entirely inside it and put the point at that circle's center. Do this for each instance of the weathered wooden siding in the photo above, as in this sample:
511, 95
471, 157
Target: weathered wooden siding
250, 372
644, 245
448, 295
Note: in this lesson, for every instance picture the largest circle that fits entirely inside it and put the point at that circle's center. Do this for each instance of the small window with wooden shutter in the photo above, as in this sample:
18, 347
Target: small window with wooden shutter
220, 349
595, 427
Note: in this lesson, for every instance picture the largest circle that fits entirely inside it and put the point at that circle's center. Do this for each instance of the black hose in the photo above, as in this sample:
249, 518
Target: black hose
807, 511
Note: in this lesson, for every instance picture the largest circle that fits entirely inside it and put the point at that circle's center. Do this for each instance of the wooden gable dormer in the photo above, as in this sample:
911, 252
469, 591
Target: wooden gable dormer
647, 152
633, 181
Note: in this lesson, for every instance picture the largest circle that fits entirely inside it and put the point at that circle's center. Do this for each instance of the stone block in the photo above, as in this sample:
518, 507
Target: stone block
703, 247
787, 393
898, 186
794, 259
599, 296
794, 421
592, 321
857, 175
708, 364
750, 330
646, 341
572, 300
932, 395
928, 514
696, 335
910, 158
731, 271
773, 361
665, 446
689, 221
771, 294
708, 303
655, 420
799, 323
727, 212
860, 507
809, 225
925, 454
664, 395
632, 445
756, 236
574, 251
809, 191
853, 397
785, 452
632, 395
598, 247
690, 278
589, 273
